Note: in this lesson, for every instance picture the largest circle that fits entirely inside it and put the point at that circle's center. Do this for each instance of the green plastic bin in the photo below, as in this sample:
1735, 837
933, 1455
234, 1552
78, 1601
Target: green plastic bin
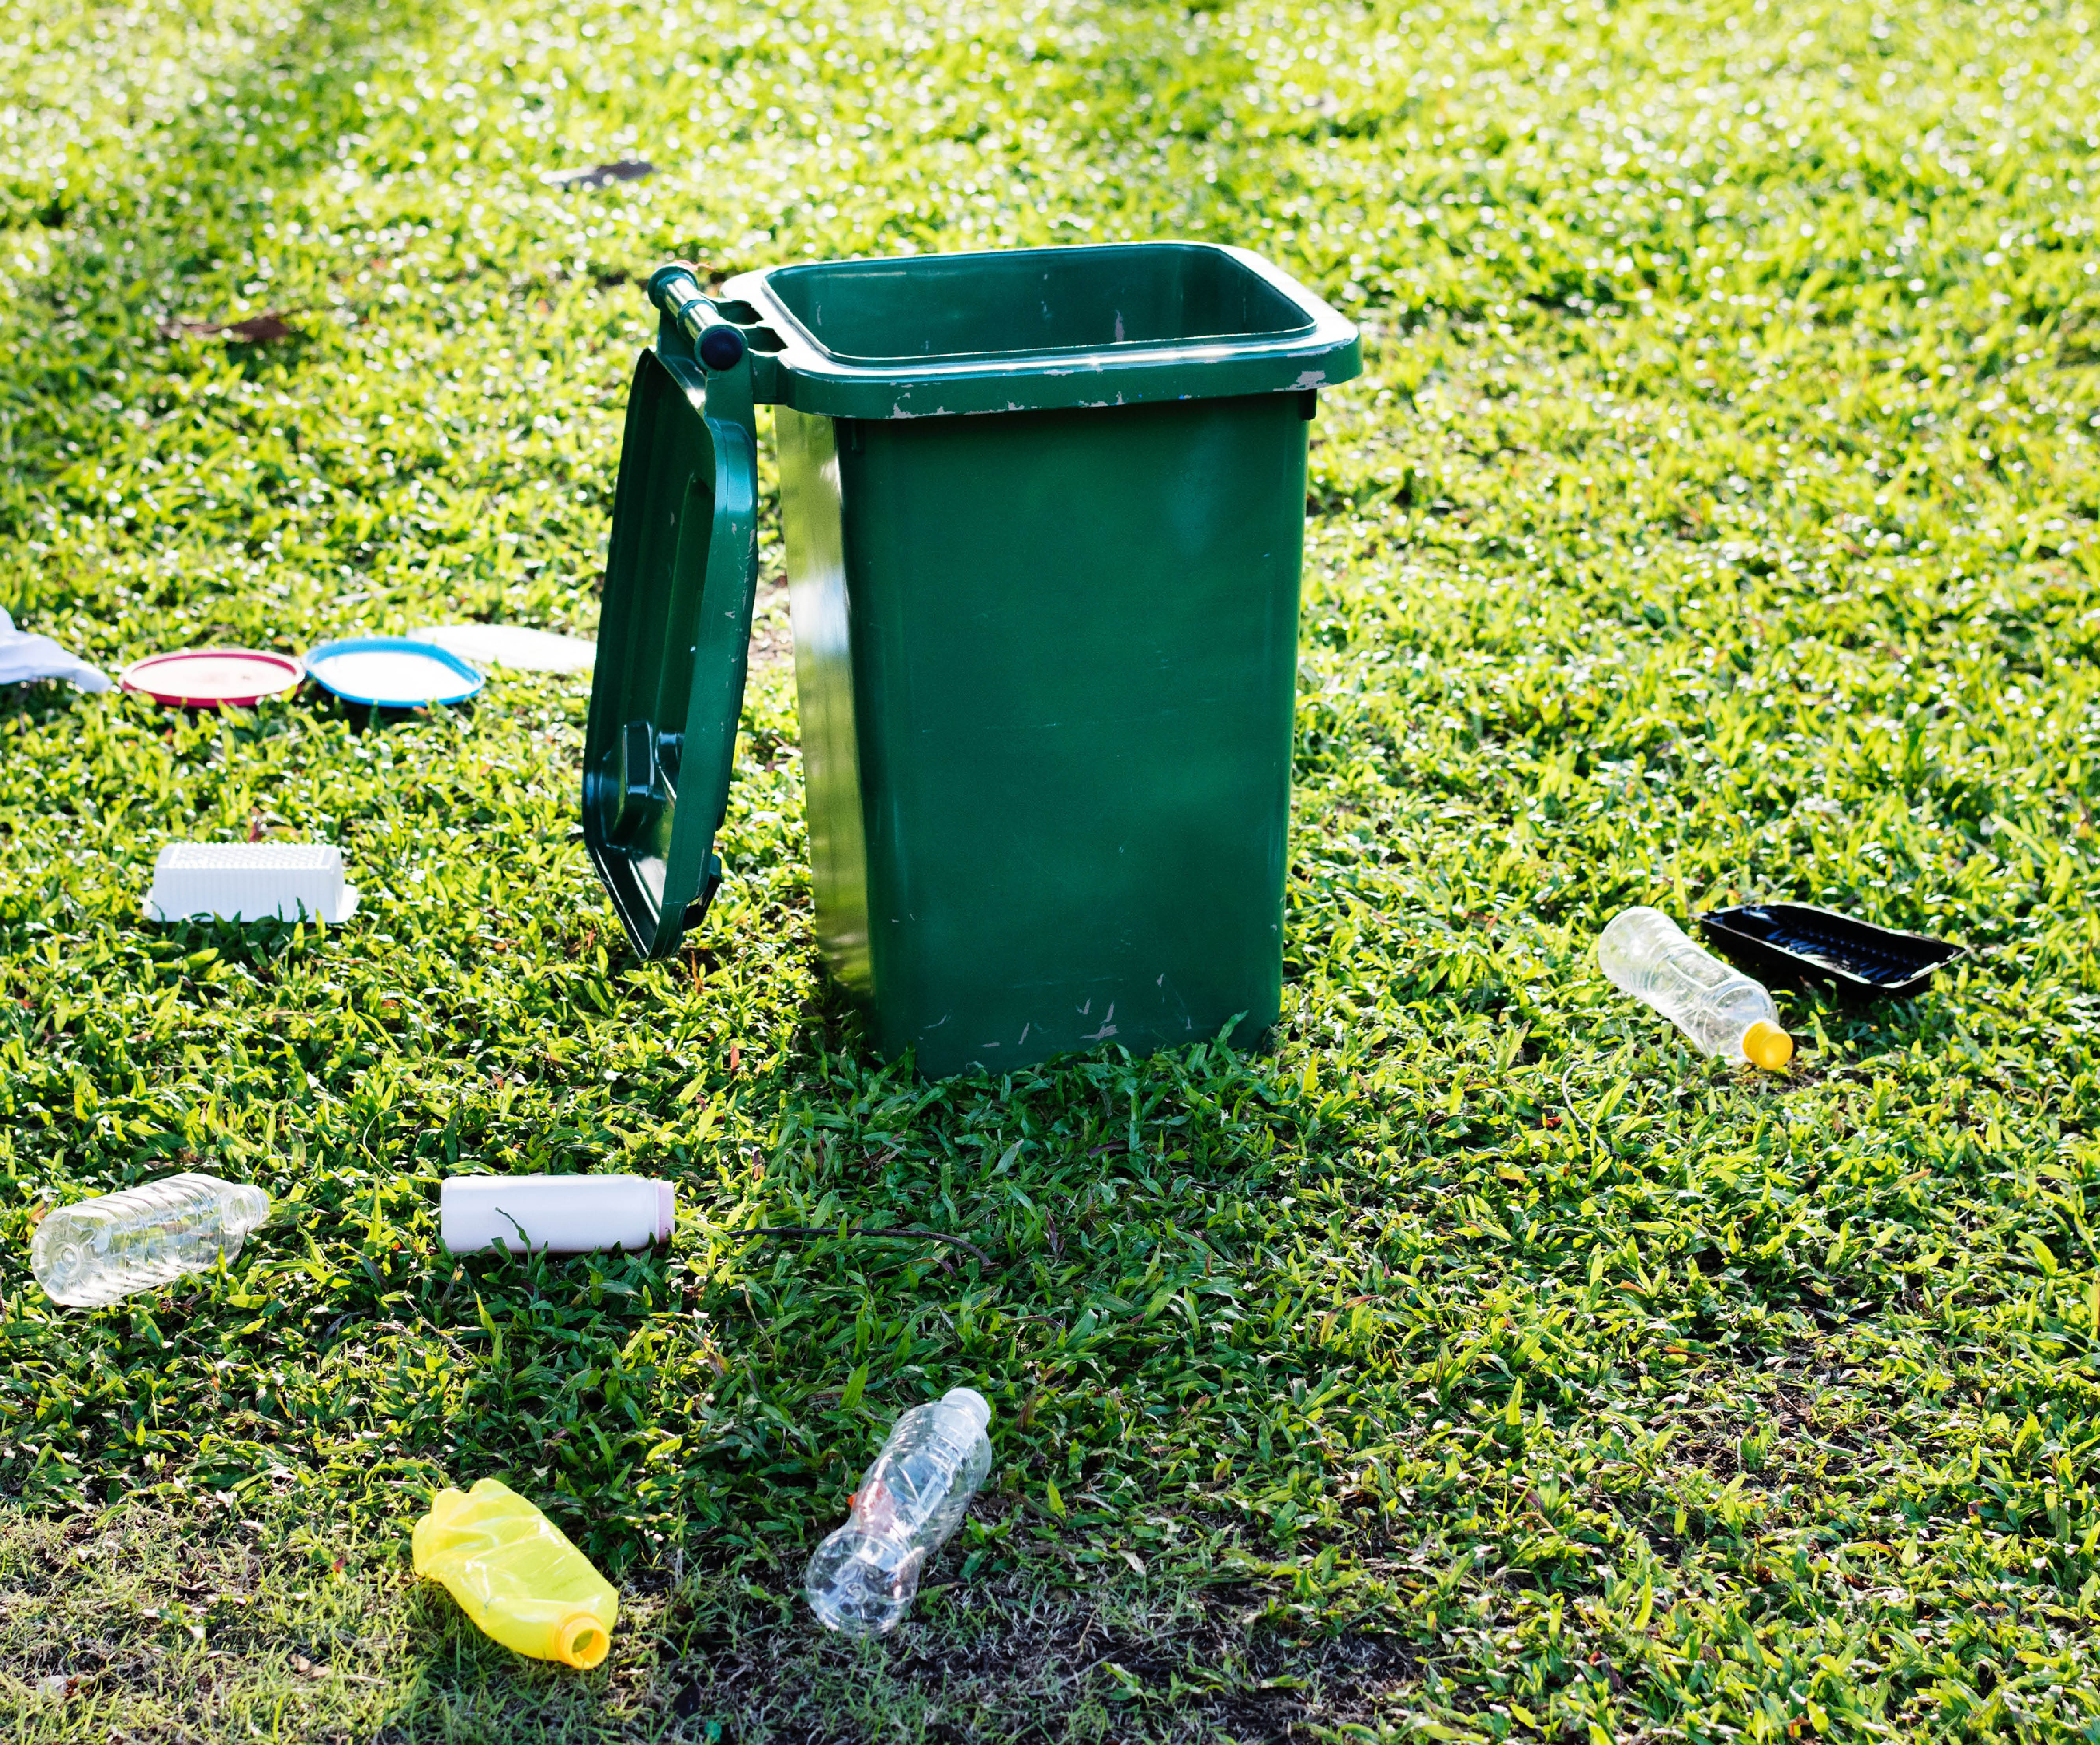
1045, 512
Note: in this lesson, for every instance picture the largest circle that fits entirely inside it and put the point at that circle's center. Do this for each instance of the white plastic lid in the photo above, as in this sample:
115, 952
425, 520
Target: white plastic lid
512, 645
972, 1404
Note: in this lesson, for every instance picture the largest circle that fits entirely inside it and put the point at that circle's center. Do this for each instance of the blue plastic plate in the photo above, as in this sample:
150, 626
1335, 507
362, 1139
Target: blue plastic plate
392, 672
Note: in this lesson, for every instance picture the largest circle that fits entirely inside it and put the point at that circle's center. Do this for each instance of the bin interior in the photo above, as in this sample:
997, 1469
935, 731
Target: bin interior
1118, 298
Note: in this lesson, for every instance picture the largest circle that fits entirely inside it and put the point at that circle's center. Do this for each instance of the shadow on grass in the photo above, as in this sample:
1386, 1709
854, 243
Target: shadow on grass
1863, 1028
243, 1615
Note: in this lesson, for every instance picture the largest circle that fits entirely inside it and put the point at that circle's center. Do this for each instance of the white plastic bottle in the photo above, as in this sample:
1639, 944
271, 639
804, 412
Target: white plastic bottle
1723, 1011
98, 1250
561, 1214
862, 1578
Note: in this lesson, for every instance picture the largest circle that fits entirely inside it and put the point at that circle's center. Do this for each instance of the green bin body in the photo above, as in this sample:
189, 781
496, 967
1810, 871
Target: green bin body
1043, 513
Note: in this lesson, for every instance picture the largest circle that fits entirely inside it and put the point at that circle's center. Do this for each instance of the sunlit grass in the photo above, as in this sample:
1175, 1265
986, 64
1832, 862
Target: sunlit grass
1715, 519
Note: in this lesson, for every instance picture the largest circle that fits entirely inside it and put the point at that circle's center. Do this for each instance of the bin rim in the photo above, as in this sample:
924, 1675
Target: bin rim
805, 374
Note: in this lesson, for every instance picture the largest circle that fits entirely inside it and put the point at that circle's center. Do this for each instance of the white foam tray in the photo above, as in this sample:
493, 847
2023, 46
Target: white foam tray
250, 882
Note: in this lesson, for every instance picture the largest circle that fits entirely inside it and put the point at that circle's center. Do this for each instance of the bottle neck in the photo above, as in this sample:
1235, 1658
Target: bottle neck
246, 1208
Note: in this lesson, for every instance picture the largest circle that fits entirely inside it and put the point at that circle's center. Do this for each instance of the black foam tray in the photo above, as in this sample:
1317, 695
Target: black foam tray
1792, 942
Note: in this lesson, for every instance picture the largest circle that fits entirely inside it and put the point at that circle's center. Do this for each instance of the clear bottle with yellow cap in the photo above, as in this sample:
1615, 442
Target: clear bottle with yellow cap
1722, 1011
516, 1575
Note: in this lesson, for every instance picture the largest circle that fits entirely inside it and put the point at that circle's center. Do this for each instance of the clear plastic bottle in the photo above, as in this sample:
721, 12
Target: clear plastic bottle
862, 1578
1723, 1011
100, 1250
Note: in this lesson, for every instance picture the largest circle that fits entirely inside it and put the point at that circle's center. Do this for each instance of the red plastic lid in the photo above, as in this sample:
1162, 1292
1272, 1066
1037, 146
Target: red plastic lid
208, 677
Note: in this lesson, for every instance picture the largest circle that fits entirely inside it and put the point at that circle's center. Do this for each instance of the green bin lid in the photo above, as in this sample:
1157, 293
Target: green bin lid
1027, 329
673, 639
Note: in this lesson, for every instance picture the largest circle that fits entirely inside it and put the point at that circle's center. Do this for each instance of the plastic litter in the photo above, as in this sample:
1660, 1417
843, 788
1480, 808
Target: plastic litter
600, 175
1722, 1013
512, 645
515, 1574
250, 882
392, 672
269, 328
1792, 942
861, 1580
213, 677
555, 1214
25, 655
98, 1250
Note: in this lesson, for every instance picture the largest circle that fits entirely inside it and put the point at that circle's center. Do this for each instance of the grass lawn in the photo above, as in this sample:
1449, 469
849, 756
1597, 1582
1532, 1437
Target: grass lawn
1715, 519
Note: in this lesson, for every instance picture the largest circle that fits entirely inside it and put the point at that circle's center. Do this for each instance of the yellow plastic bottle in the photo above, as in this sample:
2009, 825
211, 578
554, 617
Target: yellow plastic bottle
516, 1575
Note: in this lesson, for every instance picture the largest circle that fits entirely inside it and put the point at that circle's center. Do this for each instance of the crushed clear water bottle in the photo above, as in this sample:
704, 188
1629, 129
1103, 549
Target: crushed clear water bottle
1721, 1010
862, 1578
100, 1250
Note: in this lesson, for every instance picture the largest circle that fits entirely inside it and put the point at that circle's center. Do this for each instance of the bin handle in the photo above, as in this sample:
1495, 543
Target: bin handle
675, 290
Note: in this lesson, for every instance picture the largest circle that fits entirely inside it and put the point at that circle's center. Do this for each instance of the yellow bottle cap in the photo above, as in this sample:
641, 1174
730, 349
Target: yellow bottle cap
1766, 1045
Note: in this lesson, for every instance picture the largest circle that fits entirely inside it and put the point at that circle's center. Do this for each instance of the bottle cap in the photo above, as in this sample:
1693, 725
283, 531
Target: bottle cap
1766, 1044
971, 1403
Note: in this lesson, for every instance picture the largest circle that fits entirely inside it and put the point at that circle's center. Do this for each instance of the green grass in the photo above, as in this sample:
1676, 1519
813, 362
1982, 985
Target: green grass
1715, 518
